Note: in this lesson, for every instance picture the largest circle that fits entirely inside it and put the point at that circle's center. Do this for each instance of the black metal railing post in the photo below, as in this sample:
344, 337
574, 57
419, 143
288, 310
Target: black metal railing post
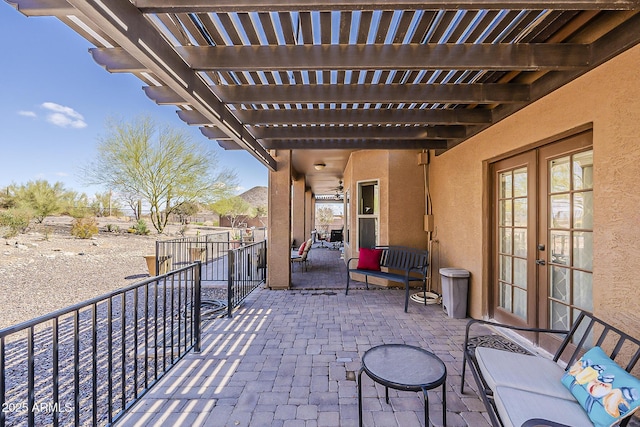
230, 273
31, 398
2, 381
157, 258
197, 306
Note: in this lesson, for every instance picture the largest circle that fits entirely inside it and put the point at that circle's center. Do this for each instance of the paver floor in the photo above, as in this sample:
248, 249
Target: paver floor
290, 357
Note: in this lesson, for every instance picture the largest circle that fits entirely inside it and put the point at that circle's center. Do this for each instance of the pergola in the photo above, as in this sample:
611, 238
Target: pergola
324, 78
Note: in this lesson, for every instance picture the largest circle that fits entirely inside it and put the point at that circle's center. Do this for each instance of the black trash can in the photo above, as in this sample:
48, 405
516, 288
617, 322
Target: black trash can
455, 291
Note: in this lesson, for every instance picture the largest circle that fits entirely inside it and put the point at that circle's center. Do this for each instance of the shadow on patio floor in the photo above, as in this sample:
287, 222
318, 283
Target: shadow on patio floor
289, 358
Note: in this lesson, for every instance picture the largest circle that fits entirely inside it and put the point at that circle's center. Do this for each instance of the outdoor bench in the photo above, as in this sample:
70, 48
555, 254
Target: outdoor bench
593, 388
394, 263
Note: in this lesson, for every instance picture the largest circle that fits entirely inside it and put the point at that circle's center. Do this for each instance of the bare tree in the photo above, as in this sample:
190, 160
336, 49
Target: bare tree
324, 216
160, 165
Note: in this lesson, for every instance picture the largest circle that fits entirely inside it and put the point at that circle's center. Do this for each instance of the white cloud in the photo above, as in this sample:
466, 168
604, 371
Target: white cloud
64, 116
27, 113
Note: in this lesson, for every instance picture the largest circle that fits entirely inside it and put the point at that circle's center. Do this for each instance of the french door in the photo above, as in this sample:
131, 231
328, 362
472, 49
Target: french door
542, 235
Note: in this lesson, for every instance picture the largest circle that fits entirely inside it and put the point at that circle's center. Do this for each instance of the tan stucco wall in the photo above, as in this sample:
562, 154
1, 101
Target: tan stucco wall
406, 200
608, 97
401, 198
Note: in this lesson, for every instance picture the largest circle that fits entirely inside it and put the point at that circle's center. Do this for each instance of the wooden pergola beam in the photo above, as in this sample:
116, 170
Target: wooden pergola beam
204, 6
487, 93
523, 57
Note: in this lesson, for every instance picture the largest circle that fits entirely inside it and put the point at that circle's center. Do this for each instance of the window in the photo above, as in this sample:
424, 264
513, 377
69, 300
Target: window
368, 211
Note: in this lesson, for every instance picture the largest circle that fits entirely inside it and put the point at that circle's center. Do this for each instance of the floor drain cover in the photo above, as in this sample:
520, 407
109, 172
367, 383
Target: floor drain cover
351, 375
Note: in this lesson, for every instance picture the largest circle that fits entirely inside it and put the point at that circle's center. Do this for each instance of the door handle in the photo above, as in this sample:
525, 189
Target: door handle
541, 262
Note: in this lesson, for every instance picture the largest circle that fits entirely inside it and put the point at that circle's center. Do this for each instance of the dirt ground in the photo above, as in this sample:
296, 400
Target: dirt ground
47, 269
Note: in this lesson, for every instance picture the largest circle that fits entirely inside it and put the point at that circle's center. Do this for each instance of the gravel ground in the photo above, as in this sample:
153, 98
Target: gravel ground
47, 269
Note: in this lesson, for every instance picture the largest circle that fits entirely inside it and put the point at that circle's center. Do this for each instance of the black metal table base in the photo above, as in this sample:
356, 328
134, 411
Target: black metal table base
389, 383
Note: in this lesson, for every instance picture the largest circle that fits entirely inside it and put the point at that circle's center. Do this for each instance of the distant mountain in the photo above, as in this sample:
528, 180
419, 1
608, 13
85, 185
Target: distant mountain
256, 196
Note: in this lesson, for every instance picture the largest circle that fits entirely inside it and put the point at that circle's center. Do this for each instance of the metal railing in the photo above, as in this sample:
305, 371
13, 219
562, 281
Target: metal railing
209, 249
89, 363
247, 271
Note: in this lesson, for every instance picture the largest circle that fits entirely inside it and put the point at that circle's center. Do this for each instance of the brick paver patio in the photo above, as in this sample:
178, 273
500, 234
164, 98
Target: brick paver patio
289, 358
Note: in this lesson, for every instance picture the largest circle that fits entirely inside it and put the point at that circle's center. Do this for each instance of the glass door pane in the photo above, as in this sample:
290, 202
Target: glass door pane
513, 219
570, 236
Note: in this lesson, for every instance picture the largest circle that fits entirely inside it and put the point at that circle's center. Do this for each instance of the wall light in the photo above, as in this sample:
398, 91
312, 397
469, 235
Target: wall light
319, 166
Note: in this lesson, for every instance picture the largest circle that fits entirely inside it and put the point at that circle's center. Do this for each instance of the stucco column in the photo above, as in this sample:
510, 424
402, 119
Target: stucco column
308, 212
279, 231
298, 217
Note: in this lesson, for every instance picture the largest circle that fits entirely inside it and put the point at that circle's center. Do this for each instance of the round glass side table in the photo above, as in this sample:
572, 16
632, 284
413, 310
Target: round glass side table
404, 367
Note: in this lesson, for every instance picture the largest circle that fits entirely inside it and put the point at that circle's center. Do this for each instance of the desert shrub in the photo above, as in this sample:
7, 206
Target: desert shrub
42, 198
84, 228
140, 228
14, 221
46, 231
113, 228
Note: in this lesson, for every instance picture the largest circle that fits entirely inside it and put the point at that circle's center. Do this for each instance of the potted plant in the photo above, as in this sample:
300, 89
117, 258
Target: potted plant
236, 239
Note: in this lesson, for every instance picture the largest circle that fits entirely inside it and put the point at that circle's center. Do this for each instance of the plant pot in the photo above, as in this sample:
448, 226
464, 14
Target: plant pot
165, 264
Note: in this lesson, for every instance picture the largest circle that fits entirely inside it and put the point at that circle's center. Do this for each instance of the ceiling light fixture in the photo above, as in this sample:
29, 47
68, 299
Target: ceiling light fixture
319, 166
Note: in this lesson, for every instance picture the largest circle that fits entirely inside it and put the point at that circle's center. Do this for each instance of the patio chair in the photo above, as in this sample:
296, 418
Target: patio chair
302, 259
336, 238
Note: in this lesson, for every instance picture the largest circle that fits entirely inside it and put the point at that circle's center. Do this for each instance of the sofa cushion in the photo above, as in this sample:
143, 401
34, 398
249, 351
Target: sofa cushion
607, 392
522, 371
516, 406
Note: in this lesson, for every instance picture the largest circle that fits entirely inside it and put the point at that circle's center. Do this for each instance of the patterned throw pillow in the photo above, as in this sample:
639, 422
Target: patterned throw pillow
302, 246
369, 259
607, 392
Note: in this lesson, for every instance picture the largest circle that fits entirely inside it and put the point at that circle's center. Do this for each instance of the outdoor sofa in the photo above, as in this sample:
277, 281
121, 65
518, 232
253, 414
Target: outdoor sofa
586, 383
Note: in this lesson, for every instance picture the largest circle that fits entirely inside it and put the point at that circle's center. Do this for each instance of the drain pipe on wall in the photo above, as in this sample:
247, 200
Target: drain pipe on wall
431, 297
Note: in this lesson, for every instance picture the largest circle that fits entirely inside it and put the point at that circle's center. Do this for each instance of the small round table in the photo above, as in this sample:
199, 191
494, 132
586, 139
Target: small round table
404, 367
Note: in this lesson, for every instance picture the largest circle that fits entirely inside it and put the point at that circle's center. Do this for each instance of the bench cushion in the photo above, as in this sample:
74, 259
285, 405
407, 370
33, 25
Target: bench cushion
526, 372
516, 406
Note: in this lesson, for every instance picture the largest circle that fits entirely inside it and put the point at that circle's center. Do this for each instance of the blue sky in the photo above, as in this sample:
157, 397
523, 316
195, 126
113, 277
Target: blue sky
55, 100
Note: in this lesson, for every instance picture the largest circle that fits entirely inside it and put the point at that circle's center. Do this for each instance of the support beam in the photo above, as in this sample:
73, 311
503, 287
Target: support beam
204, 6
279, 223
365, 116
351, 144
372, 133
298, 211
309, 212
488, 93
214, 133
523, 57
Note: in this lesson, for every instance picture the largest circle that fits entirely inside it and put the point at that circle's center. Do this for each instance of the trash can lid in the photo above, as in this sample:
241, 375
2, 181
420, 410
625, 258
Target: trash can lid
454, 272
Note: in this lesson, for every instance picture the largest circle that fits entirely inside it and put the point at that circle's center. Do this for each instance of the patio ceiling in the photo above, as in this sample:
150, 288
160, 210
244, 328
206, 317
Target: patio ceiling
323, 78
